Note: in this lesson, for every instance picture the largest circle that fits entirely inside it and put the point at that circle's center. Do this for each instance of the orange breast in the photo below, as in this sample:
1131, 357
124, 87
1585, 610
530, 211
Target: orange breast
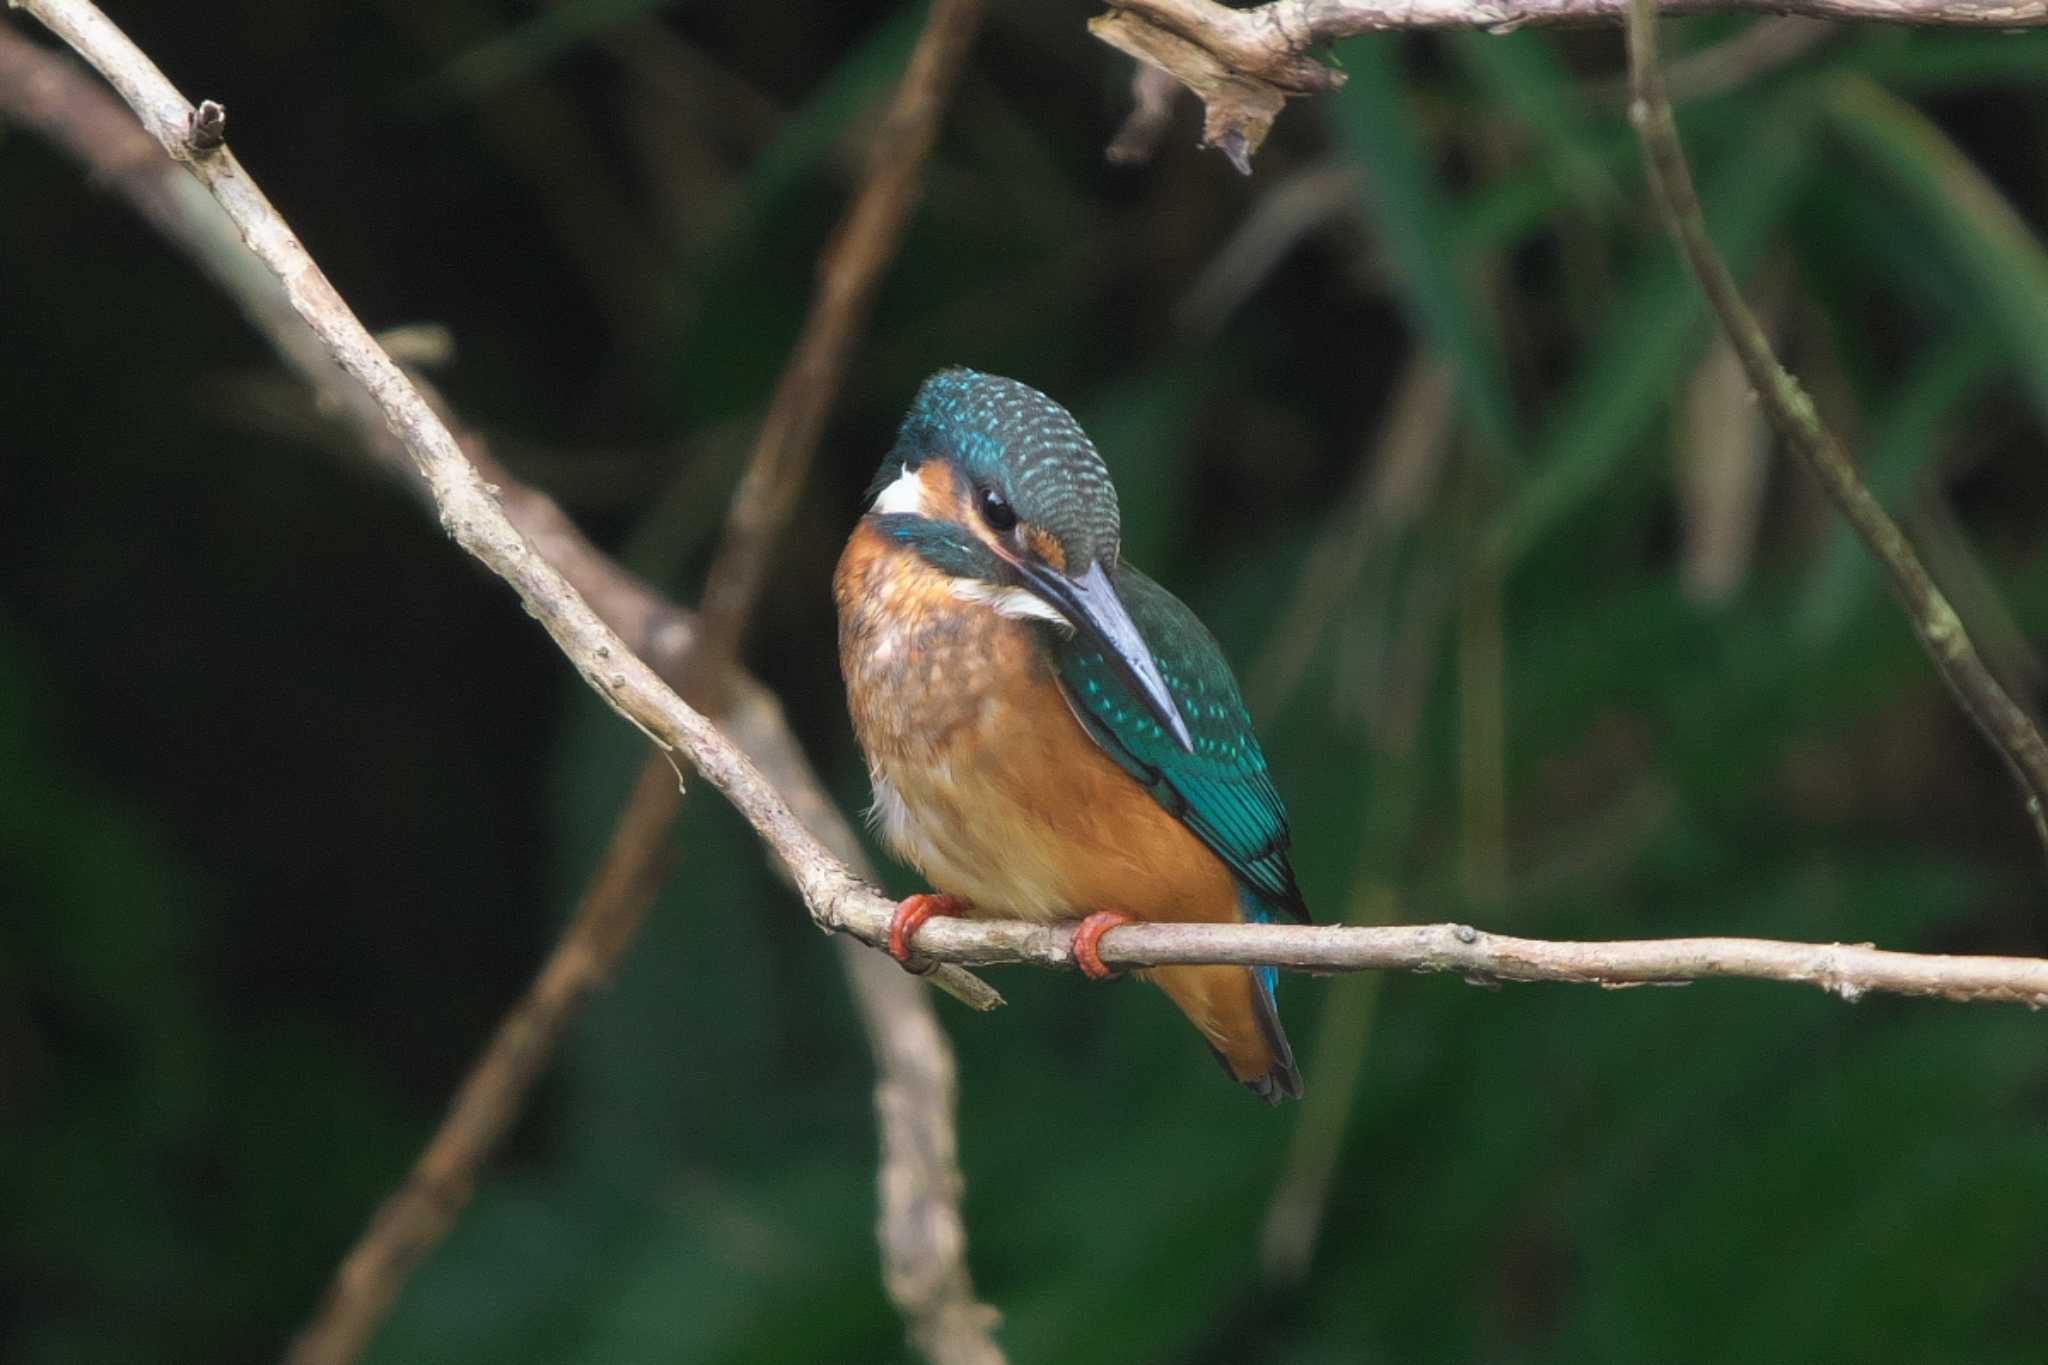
983, 778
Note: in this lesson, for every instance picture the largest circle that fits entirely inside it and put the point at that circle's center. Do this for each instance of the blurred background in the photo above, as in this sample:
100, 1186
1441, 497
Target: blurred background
1422, 418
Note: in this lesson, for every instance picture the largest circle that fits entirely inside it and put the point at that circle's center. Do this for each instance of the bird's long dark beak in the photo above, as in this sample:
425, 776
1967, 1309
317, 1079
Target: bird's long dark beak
1091, 603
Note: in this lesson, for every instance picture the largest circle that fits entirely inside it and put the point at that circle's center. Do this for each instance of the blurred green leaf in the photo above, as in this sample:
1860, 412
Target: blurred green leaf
1524, 73
1143, 429
1995, 251
1646, 349
1378, 129
530, 46
1933, 61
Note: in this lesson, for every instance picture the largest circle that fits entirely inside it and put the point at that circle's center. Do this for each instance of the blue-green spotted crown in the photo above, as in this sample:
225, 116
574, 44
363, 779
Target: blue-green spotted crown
1012, 438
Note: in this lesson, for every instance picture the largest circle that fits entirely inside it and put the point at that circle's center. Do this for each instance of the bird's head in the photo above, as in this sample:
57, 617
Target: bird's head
997, 486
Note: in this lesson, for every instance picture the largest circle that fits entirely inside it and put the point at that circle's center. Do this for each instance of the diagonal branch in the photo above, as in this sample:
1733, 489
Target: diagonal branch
1791, 410
922, 1234
920, 1227
849, 274
1247, 63
421, 1212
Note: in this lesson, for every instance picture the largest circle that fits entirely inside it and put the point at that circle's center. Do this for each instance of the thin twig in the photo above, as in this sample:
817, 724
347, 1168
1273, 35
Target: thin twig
921, 1231
420, 1212
1791, 410
1245, 64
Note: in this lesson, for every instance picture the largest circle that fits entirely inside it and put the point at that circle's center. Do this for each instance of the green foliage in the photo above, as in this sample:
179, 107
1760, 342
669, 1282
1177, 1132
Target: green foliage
1411, 212
291, 805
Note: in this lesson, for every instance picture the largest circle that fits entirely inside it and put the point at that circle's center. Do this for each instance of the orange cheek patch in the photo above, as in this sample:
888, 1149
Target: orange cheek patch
1047, 547
941, 492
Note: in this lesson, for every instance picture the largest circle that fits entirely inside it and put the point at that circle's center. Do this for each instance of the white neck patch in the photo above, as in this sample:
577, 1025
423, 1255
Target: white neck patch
903, 496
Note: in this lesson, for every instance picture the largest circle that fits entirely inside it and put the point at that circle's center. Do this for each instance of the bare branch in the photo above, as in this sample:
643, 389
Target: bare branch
1847, 970
1246, 63
470, 509
920, 1228
1791, 410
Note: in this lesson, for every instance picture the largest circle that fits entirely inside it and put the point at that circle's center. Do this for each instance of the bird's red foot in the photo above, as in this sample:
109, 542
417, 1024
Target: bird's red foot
910, 917
1088, 942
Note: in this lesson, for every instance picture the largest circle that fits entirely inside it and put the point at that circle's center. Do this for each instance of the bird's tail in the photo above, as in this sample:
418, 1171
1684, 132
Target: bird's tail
1234, 1009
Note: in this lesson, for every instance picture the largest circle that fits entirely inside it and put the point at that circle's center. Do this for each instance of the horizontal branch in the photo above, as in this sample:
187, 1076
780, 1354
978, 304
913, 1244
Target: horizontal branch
1245, 64
1267, 40
1847, 970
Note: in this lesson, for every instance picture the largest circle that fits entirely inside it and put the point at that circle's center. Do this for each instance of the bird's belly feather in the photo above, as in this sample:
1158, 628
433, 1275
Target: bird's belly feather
982, 777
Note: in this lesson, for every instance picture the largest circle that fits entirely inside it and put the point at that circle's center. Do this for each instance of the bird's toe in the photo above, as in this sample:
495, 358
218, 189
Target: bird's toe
1088, 943
911, 914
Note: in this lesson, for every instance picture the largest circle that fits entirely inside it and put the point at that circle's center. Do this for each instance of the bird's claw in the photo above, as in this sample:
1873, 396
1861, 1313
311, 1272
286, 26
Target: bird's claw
911, 914
1088, 943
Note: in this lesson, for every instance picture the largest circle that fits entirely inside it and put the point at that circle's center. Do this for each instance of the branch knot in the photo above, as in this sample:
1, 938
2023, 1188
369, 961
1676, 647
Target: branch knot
206, 130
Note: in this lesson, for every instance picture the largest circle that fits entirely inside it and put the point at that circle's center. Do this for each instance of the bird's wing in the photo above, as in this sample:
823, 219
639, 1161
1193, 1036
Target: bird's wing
1221, 791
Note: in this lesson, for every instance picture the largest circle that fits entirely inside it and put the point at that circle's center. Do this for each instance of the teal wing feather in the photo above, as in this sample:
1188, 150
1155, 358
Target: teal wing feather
1221, 791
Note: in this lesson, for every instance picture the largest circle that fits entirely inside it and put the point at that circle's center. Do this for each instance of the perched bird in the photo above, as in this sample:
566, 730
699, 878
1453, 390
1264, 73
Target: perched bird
1051, 735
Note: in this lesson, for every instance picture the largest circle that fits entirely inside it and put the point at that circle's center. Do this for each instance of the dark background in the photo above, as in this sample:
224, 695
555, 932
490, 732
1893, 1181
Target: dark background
292, 796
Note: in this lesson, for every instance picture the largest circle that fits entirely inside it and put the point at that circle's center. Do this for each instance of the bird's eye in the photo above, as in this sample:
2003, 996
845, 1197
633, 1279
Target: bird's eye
996, 511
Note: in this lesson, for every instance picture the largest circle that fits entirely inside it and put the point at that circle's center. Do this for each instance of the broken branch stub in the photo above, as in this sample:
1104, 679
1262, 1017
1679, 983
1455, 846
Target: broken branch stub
1238, 106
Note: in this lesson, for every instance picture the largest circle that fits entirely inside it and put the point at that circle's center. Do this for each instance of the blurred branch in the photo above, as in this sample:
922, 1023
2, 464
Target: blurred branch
1245, 64
46, 93
921, 1231
1289, 210
922, 1234
1722, 451
543, 137
848, 275
1385, 837
1152, 94
419, 1214
1391, 489
1791, 410
1755, 52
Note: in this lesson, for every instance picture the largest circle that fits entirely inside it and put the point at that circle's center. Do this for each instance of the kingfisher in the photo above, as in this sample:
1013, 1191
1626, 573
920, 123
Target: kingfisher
1051, 735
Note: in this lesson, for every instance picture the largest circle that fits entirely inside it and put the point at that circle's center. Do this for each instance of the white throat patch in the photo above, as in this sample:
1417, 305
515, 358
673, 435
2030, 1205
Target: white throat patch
1017, 603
